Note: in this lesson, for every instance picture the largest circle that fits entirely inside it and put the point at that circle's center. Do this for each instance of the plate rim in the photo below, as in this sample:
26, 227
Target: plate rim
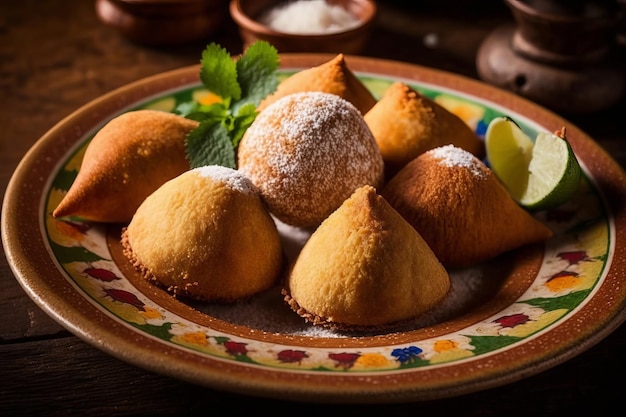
344, 388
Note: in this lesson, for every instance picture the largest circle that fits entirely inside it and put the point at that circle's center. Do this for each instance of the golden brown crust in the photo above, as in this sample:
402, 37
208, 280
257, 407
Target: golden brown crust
365, 267
332, 77
460, 208
317, 320
419, 124
199, 237
129, 158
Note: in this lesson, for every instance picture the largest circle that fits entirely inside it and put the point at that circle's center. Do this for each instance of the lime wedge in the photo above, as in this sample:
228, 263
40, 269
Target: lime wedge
539, 175
508, 151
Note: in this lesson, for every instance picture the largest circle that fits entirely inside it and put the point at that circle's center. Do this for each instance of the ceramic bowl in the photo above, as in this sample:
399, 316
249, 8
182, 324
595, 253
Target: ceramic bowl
163, 22
247, 14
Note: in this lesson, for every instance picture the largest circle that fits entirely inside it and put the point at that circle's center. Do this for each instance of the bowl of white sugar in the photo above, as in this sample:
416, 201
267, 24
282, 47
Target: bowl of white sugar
328, 26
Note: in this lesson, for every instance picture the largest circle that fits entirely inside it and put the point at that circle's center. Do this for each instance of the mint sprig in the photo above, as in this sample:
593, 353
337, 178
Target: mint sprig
241, 84
220, 151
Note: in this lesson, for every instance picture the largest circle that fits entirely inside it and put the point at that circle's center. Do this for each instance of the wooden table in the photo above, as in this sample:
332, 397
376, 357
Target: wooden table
56, 56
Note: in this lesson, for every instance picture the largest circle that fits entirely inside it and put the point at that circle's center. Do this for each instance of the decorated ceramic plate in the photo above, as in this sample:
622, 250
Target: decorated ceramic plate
509, 318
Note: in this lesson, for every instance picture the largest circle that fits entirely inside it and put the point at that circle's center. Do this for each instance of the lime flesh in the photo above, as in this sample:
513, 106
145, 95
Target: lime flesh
509, 151
539, 175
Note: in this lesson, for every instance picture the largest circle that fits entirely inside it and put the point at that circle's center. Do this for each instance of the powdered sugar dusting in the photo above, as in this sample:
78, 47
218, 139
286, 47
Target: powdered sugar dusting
268, 312
231, 177
309, 145
321, 123
453, 156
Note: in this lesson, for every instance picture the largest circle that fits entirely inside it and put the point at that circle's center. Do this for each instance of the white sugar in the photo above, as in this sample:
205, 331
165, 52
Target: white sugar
231, 177
321, 124
453, 156
309, 17
268, 312
309, 139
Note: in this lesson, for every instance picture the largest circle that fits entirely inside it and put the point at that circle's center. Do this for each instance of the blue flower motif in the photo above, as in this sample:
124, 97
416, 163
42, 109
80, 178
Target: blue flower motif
407, 354
481, 128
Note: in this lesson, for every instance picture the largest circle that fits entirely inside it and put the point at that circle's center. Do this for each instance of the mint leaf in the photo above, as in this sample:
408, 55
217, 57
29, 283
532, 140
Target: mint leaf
199, 112
256, 73
210, 144
241, 84
218, 72
241, 122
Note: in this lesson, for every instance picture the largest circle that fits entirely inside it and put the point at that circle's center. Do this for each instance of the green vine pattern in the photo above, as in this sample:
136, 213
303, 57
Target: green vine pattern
573, 265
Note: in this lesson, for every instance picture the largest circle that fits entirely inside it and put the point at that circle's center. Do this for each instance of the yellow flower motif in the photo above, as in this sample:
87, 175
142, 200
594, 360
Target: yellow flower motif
452, 354
372, 360
194, 338
64, 233
209, 98
444, 345
446, 350
470, 113
590, 271
562, 282
205, 97
150, 313
125, 312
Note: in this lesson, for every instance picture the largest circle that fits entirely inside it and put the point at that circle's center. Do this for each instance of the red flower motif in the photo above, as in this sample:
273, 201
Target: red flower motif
573, 257
125, 297
512, 320
235, 348
344, 360
291, 356
101, 274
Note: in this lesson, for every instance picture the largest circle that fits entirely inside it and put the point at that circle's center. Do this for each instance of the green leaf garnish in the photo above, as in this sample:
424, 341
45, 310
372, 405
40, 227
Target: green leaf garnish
256, 70
241, 84
242, 122
210, 144
218, 72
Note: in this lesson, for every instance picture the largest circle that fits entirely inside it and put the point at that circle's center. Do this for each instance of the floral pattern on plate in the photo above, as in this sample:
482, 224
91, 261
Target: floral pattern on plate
573, 265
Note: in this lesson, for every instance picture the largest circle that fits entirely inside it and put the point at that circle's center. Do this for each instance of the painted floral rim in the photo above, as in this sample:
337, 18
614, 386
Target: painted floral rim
545, 290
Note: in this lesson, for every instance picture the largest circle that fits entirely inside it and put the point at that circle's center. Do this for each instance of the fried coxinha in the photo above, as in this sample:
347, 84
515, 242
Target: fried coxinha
163, 179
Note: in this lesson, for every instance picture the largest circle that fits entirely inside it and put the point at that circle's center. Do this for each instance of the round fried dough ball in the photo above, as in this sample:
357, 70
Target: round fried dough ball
307, 153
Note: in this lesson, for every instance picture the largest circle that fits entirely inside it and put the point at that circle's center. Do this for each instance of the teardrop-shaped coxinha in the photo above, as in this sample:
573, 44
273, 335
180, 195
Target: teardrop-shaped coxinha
135, 153
460, 208
128, 159
419, 124
365, 267
333, 77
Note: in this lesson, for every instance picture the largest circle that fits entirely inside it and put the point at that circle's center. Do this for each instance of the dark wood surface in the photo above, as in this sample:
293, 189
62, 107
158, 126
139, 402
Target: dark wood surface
56, 56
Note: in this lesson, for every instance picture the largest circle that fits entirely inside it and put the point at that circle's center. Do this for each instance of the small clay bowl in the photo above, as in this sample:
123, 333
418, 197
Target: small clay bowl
246, 13
163, 22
